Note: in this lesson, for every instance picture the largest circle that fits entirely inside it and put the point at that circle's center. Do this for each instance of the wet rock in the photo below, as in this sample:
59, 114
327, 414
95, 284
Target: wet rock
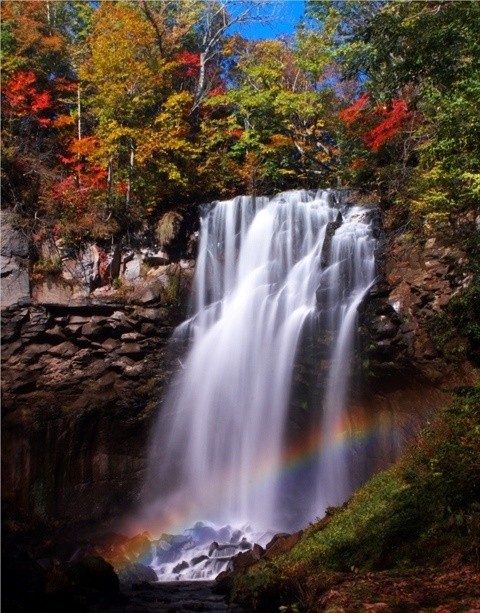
224, 582
281, 543
244, 544
383, 327
135, 572
121, 364
132, 350
78, 319
23, 579
12, 349
77, 398
132, 337
180, 566
117, 326
110, 344
198, 560
148, 329
153, 315
107, 380
133, 371
245, 559
55, 334
142, 586
94, 574
90, 330
332, 227
82, 358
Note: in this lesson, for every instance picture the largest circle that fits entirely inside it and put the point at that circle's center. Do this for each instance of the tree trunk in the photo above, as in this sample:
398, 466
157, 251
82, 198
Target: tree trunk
130, 175
79, 113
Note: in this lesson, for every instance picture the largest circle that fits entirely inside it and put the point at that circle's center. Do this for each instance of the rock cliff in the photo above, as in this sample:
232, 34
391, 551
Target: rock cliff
85, 358
84, 362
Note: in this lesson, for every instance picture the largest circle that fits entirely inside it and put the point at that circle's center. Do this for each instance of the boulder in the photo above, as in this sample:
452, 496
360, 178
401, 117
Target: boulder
94, 577
224, 583
135, 572
281, 543
245, 559
132, 350
180, 566
63, 350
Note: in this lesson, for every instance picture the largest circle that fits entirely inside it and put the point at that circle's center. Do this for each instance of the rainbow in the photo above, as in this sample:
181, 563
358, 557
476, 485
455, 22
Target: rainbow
357, 428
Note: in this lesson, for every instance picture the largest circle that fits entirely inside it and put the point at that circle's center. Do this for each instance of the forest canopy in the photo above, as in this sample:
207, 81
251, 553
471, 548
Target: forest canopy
114, 112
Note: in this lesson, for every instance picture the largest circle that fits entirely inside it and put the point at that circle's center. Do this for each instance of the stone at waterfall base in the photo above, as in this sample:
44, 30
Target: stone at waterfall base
280, 543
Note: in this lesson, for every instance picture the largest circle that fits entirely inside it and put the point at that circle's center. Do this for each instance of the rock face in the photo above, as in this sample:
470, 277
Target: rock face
84, 362
14, 264
416, 281
80, 388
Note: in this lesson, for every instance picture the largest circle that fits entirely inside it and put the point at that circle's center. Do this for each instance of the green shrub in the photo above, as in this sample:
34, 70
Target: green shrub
46, 267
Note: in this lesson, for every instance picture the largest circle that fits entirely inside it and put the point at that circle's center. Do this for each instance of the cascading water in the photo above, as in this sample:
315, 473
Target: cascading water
265, 267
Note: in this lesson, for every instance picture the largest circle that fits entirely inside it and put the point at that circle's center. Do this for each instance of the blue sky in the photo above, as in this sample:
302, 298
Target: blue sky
286, 15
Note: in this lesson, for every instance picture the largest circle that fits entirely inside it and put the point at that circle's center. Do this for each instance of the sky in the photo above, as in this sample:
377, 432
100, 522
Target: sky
287, 13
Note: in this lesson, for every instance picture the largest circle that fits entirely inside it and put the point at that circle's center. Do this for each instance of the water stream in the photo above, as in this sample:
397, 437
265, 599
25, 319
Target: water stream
222, 449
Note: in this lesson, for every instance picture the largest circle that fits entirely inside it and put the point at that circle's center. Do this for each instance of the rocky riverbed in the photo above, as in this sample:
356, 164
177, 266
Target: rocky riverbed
178, 597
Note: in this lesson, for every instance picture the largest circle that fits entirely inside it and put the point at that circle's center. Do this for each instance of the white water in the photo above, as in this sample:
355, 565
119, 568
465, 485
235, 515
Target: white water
219, 453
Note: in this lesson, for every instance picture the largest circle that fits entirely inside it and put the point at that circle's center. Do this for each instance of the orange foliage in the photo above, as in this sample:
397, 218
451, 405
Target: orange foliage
85, 146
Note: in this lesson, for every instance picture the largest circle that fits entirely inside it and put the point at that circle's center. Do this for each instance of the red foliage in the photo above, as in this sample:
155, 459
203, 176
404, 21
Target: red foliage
353, 112
394, 118
377, 125
121, 187
217, 91
236, 133
76, 159
190, 63
24, 99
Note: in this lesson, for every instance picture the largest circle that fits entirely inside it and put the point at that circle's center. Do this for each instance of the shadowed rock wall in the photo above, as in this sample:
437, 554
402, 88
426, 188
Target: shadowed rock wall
85, 360
84, 363
80, 388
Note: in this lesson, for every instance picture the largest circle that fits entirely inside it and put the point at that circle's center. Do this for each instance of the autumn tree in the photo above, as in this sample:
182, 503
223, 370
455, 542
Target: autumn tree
36, 81
282, 116
416, 138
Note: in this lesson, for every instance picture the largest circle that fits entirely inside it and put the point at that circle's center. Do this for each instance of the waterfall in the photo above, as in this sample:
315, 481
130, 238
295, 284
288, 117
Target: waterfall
222, 447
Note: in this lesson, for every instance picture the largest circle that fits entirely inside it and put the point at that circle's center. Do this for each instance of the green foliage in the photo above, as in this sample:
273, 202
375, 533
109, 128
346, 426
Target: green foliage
418, 512
459, 322
426, 55
456, 329
45, 267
